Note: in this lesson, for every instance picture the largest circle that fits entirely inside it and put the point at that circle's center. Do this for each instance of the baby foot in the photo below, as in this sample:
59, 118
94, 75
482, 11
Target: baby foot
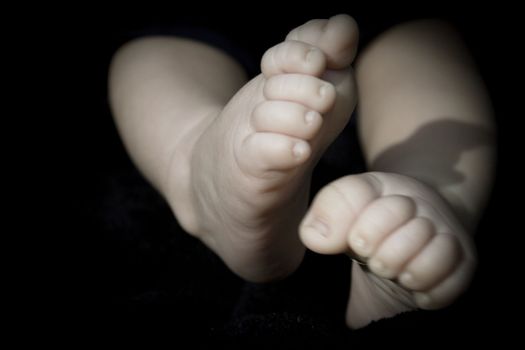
416, 253
246, 176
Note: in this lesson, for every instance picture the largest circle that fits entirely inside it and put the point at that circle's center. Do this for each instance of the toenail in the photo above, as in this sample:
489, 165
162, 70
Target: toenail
406, 278
310, 117
318, 227
359, 243
423, 299
300, 149
322, 90
377, 265
312, 52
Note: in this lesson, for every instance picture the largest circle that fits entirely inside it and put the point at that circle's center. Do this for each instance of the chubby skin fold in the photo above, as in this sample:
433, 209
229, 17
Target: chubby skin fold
234, 158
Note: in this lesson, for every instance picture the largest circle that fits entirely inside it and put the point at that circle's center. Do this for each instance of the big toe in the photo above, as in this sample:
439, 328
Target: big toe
337, 37
333, 212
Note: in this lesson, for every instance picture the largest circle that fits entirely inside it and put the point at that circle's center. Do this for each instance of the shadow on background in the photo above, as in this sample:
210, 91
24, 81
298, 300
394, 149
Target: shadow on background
435, 149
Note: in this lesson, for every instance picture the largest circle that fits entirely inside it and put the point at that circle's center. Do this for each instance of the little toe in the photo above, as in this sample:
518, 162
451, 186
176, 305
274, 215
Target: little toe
433, 264
377, 221
287, 118
337, 37
310, 91
447, 291
333, 211
262, 152
400, 247
293, 57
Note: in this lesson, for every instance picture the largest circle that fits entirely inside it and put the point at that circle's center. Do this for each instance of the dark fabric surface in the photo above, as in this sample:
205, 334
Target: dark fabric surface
135, 267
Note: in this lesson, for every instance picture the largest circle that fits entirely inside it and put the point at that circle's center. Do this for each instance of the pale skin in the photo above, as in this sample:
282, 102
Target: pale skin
234, 158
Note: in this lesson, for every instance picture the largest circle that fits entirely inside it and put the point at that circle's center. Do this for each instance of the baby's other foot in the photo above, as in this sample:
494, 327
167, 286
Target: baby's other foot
414, 253
242, 184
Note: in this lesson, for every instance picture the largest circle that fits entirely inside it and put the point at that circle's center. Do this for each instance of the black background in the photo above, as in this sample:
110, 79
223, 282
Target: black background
126, 262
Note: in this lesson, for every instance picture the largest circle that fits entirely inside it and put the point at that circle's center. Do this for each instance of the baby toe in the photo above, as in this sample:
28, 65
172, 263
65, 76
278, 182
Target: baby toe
293, 57
434, 263
307, 90
333, 211
448, 290
289, 118
377, 221
337, 37
400, 247
262, 152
